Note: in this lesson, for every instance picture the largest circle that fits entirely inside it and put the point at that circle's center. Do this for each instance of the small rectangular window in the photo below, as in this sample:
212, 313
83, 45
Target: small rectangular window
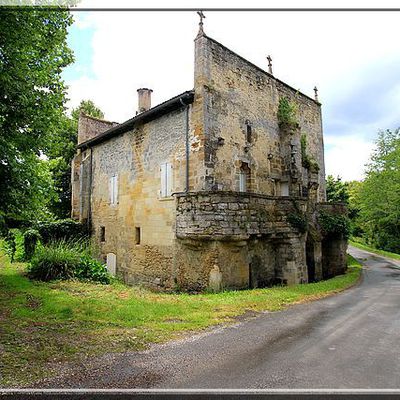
102, 234
137, 235
113, 188
242, 181
284, 189
166, 180
248, 133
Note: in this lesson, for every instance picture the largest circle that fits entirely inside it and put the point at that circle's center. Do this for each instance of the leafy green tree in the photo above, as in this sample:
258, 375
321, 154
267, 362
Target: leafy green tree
336, 190
88, 108
380, 193
33, 52
61, 150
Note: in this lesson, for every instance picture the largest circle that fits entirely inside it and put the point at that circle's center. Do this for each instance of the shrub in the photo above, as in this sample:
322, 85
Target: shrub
92, 270
58, 260
334, 225
287, 112
10, 245
63, 229
31, 238
66, 260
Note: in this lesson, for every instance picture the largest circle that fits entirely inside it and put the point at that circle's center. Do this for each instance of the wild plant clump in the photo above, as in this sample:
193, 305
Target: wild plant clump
287, 112
62, 260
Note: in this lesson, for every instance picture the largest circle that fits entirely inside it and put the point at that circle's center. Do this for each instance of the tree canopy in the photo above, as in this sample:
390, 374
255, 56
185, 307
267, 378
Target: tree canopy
33, 53
379, 195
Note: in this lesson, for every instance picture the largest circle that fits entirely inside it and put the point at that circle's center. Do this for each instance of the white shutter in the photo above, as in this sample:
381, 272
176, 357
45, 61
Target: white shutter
163, 172
115, 191
111, 190
169, 179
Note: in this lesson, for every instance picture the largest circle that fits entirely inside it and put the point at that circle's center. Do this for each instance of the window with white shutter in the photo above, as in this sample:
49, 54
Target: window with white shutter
113, 189
166, 180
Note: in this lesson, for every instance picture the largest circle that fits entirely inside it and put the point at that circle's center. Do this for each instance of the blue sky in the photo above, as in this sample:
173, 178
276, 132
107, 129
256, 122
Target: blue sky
80, 40
353, 58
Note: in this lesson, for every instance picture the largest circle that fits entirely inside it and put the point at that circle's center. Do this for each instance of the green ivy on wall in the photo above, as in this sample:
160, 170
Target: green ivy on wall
307, 161
334, 224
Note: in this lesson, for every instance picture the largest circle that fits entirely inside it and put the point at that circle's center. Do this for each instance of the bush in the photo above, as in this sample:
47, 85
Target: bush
31, 238
334, 225
63, 229
287, 111
55, 261
92, 270
10, 245
66, 260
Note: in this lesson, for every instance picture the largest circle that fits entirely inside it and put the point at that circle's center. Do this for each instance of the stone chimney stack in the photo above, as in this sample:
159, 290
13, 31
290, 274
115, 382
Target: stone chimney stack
144, 99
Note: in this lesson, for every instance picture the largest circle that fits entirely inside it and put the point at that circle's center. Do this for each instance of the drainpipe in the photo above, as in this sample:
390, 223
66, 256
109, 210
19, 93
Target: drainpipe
187, 144
89, 219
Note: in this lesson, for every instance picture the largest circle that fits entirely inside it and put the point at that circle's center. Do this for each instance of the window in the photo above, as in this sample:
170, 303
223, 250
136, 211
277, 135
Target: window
102, 234
137, 235
244, 177
248, 132
113, 186
166, 180
284, 189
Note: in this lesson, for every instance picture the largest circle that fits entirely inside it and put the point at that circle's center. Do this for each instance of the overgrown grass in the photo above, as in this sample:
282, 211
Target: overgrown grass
363, 246
42, 324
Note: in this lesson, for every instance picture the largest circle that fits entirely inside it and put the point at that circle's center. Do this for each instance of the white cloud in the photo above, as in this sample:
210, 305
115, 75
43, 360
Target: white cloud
155, 49
346, 156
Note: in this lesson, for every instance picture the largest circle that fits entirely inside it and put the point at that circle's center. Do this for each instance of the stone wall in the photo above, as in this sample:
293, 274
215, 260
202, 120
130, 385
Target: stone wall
221, 215
89, 127
236, 94
246, 237
135, 157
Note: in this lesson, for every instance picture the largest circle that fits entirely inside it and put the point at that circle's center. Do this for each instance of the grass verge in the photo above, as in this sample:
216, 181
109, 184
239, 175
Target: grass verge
43, 324
373, 250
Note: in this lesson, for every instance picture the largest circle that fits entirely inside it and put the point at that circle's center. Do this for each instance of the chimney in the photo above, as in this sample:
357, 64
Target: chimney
144, 99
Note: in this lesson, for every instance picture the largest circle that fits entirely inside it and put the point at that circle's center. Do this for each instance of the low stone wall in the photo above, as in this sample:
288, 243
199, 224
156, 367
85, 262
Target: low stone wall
233, 215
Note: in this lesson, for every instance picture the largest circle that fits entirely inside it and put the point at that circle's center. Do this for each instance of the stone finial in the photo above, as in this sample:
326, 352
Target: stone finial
269, 64
315, 93
202, 16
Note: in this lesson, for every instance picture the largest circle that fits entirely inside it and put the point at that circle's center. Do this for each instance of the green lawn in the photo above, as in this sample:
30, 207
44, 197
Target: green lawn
42, 323
384, 253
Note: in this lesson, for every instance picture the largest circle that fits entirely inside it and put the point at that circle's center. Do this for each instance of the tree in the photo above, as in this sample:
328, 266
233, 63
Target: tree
33, 52
380, 193
336, 190
61, 150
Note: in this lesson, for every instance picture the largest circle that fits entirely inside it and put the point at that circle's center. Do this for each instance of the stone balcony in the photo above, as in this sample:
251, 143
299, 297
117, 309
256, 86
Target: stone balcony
220, 215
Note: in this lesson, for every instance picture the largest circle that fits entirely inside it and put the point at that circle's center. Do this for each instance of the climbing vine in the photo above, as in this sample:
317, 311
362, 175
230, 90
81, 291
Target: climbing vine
334, 225
307, 161
299, 221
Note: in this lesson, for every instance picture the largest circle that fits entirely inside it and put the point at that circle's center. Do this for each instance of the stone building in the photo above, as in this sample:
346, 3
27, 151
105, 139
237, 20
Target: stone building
219, 187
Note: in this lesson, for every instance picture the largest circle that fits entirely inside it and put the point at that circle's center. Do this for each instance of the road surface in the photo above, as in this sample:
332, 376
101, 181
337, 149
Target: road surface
350, 340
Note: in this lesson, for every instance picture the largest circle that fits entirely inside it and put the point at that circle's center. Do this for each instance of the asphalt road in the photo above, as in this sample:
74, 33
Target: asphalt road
351, 340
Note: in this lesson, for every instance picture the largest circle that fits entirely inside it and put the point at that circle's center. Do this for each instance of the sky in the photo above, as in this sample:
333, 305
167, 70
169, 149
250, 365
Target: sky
352, 57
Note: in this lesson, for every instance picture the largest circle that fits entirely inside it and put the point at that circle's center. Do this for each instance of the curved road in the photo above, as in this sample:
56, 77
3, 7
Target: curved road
351, 340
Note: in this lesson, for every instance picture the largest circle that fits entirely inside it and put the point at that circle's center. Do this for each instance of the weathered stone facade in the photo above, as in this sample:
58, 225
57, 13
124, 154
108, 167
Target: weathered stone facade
209, 190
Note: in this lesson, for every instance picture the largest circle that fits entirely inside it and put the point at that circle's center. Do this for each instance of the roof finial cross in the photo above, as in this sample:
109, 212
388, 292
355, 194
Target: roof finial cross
316, 93
202, 16
269, 64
